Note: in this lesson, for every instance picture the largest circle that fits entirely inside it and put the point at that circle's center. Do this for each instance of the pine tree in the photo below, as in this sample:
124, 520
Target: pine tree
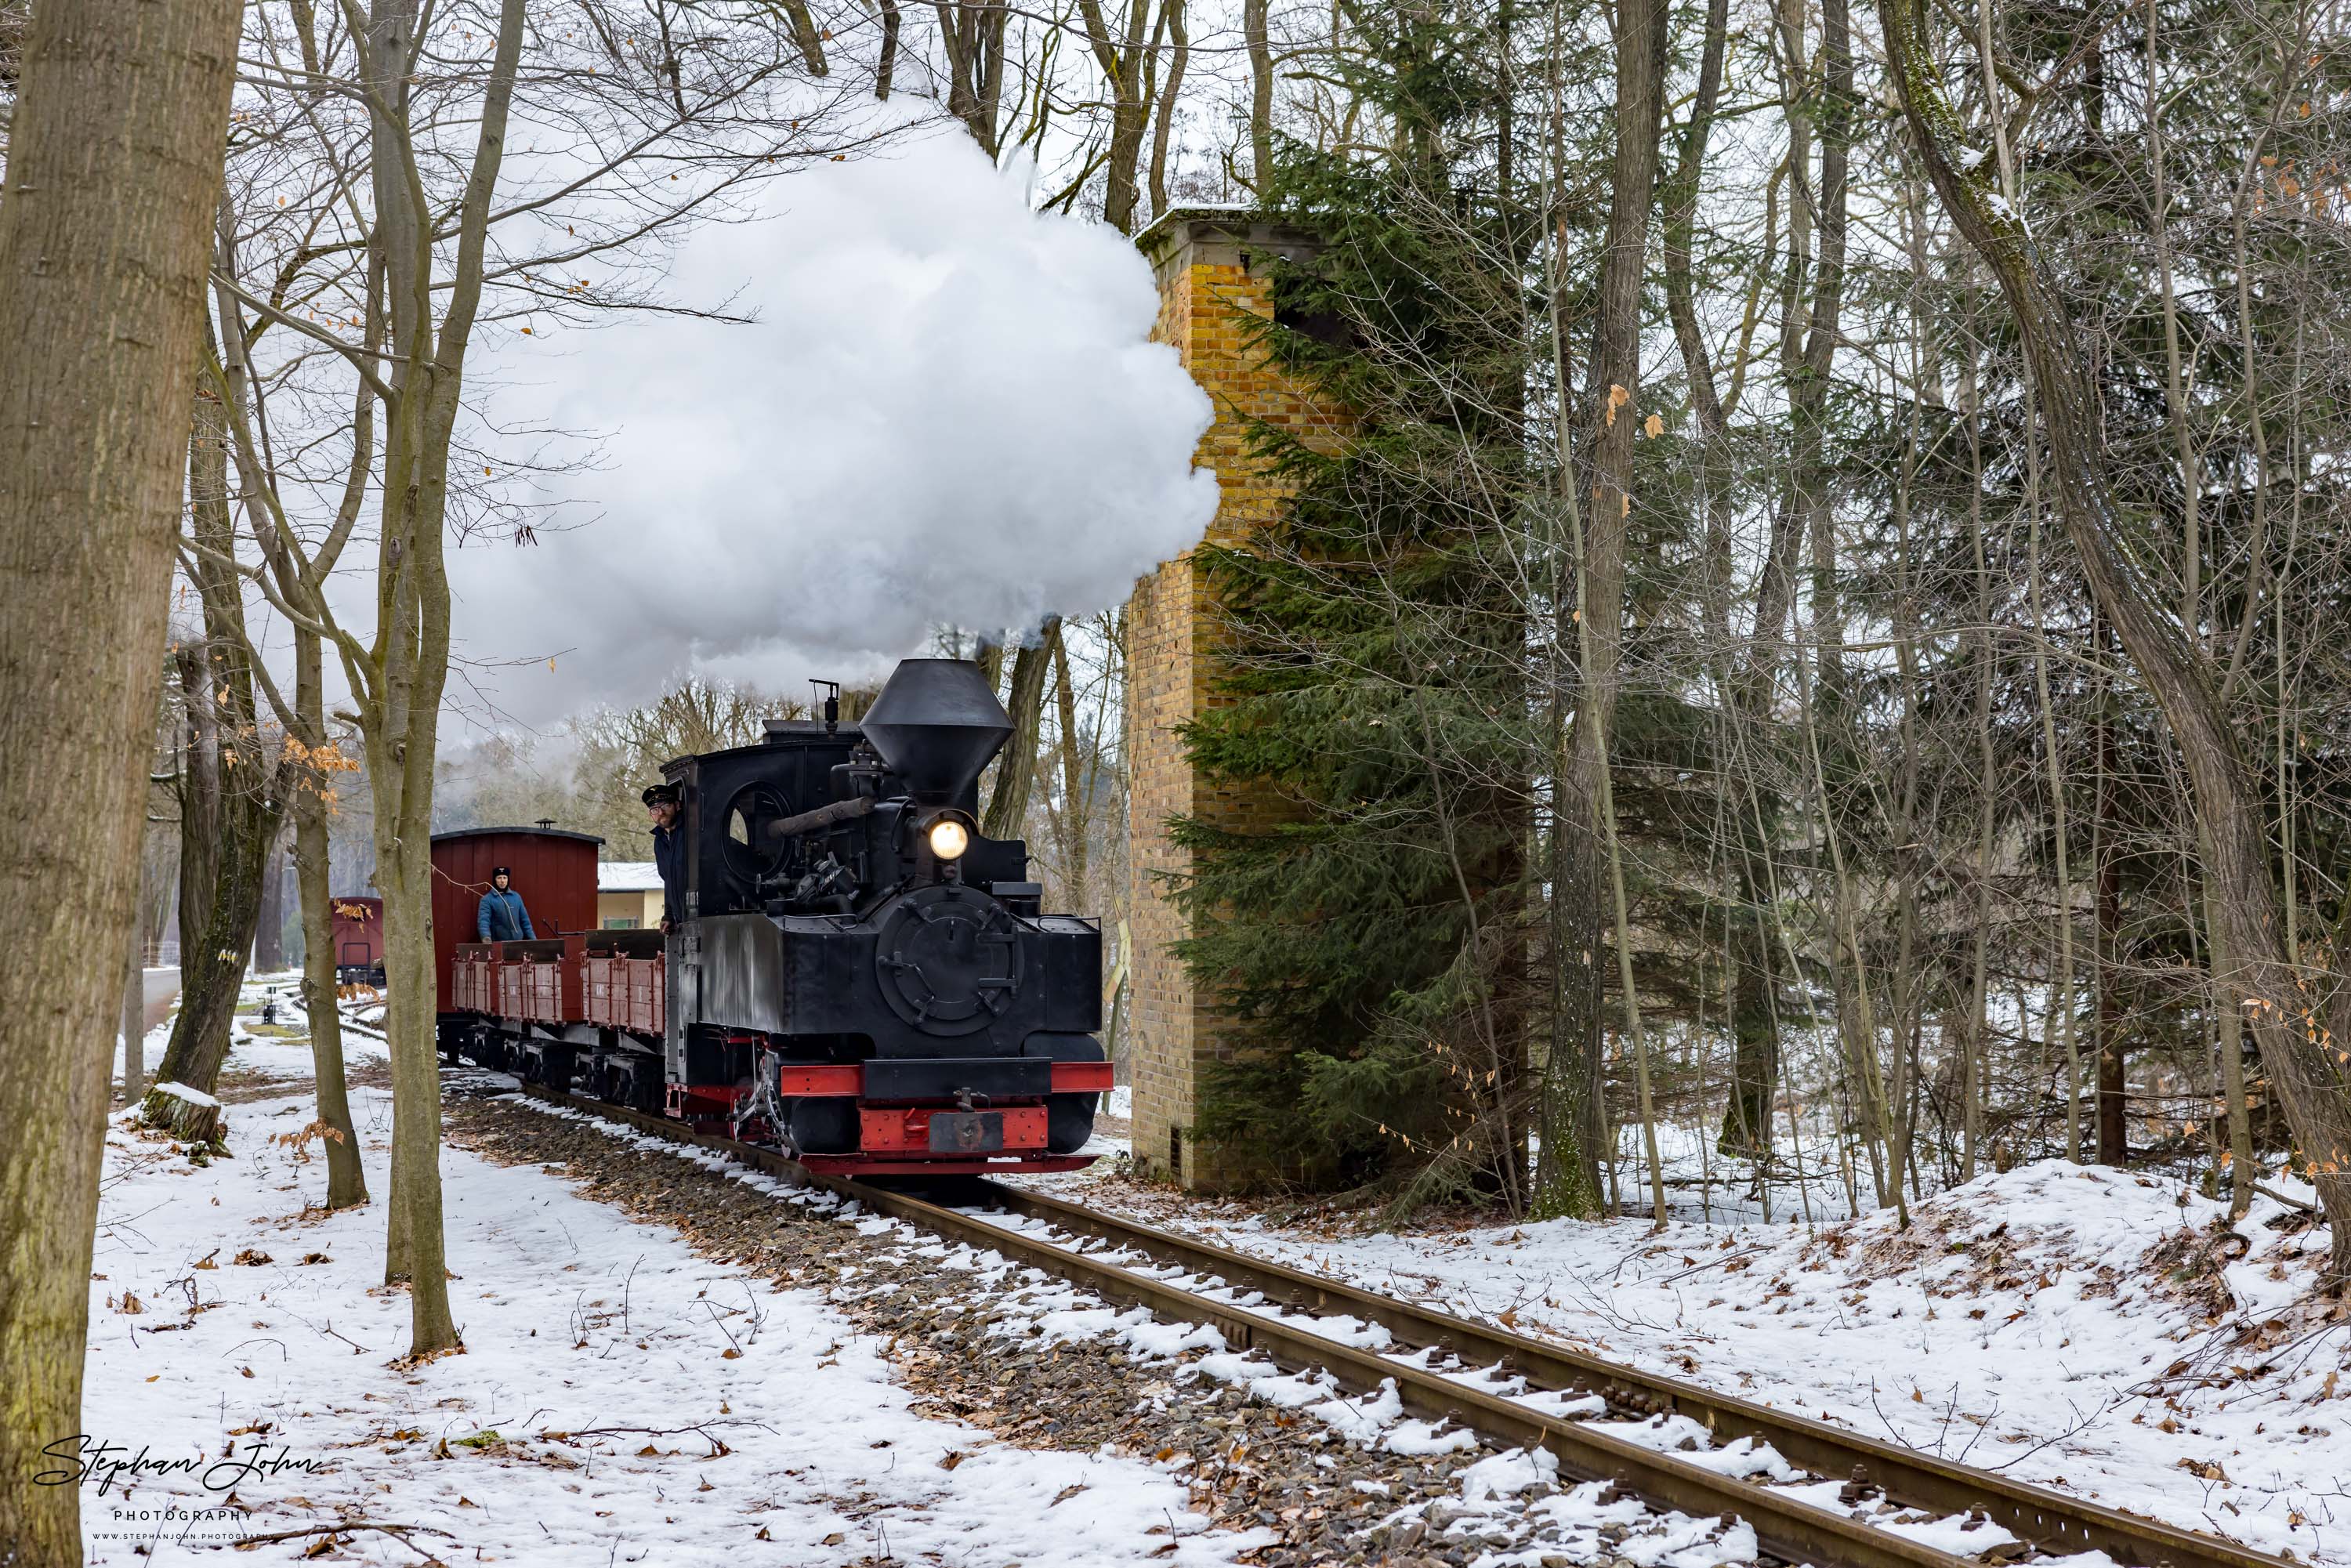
1371, 942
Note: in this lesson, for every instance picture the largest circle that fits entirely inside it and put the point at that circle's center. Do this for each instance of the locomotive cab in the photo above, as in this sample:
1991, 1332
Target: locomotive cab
858, 973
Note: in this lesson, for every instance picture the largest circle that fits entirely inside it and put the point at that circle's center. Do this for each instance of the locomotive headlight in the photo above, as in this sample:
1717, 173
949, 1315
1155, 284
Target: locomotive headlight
949, 838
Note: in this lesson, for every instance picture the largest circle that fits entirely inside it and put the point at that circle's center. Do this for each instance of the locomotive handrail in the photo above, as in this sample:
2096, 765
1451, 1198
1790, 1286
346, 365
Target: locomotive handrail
847, 811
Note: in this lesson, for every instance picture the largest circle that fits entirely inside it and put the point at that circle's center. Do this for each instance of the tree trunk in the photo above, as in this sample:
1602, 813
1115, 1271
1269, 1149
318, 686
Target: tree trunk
212, 972
2267, 985
1582, 890
2061, 829
888, 65
114, 166
213, 959
134, 1011
2113, 1124
973, 32
1008, 802
144, 916
346, 1182
1747, 947
1180, 56
269, 927
199, 793
1075, 817
1255, 34
1613, 400
1972, 1078
2237, 1113
407, 669
1126, 61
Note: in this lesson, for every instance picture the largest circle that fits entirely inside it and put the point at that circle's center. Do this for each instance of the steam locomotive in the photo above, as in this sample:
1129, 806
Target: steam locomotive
857, 976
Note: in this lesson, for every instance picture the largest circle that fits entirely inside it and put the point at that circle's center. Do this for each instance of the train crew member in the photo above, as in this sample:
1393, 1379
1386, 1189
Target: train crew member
669, 856
502, 917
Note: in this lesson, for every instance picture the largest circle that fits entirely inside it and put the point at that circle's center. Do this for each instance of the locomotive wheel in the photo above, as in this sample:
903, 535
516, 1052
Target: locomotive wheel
1068, 1122
821, 1126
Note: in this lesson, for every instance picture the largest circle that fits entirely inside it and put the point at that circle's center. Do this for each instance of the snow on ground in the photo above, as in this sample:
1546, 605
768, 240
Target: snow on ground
2070, 1326
274, 1049
2082, 1328
1509, 1499
619, 1400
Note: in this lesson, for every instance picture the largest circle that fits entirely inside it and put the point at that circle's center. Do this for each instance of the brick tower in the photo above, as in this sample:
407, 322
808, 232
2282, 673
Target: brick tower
1213, 269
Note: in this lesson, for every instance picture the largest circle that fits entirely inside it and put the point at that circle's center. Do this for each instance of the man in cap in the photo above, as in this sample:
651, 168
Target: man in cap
502, 917
669, 853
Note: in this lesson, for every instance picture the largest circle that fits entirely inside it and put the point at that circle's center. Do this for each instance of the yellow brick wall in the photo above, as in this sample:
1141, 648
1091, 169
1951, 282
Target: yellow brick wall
1214, 277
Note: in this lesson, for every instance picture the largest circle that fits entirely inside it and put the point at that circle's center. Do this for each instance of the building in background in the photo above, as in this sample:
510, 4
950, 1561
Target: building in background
628, 895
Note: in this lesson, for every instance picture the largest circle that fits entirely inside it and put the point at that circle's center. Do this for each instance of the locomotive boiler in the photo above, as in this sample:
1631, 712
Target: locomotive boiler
856, 975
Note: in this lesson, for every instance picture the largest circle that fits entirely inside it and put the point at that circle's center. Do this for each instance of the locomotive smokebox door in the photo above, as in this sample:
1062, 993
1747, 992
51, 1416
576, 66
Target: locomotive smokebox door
966, 1132
948, 960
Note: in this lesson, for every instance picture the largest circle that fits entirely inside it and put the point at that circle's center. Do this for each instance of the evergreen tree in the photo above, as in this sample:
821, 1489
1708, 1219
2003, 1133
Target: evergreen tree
1370, 942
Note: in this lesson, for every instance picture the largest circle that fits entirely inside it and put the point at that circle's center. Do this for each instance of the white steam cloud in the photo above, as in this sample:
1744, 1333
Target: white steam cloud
948, 413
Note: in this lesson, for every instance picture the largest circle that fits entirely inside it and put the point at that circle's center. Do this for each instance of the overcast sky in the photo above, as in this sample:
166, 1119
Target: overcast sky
948, 411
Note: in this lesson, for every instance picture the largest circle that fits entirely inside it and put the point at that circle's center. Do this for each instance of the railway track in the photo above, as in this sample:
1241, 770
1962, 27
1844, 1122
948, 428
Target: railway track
1860, 1503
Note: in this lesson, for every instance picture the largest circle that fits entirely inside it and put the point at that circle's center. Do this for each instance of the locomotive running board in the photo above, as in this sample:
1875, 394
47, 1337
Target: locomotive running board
940, 1078
834, 1172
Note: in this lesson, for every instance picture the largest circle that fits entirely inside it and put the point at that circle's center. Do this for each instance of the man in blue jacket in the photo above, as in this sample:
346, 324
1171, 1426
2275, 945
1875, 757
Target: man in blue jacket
502, 917
669, 853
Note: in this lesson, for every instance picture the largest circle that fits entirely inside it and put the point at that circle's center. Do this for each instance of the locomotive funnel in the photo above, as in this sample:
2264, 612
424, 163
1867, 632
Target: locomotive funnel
936, 724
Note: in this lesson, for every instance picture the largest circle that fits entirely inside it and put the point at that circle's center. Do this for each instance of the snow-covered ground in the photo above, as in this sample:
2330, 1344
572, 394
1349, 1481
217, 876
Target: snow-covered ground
1502, 1508
619, 1398
2074, 1327
624, 1398
279, 1048
2082, 1328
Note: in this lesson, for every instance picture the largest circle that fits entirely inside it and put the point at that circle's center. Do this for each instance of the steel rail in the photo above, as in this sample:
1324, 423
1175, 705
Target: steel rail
1786, 1527
2053, 1522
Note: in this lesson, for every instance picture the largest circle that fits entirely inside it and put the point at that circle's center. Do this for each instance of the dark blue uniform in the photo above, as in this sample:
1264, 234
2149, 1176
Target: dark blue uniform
669, 859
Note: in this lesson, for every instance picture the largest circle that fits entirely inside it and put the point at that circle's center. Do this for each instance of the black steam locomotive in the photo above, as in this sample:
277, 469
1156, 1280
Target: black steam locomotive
857, 976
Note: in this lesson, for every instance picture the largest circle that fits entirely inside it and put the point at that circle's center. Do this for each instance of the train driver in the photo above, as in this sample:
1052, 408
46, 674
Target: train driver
502, 917
669, 856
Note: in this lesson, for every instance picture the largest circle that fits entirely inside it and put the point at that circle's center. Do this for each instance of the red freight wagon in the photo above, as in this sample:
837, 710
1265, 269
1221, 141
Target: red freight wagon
621, 981
553, 869
473, 986
539, 981
532, 990
358, 940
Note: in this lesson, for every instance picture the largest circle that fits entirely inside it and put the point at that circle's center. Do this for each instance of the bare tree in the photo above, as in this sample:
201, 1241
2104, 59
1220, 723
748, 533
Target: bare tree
972, 32
2284, 1013
420, 228
113, 167
246, 804
1602, 481
1127, 55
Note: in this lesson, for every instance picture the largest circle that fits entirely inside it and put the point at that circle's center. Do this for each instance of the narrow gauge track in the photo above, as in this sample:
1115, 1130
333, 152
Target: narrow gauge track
1168, 1273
